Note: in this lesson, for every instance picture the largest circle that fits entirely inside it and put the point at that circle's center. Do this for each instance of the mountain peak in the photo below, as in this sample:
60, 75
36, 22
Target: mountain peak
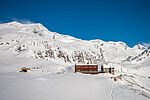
139, 46
14, 23
22, 23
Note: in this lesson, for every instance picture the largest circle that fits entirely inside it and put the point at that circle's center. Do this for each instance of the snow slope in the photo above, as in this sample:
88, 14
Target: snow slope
51, 57
34, 40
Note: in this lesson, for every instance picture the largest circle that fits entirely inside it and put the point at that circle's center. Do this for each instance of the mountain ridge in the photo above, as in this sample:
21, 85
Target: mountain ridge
39, 42
51, 58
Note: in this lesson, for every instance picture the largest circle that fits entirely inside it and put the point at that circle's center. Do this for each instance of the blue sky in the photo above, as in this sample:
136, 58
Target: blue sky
109, 20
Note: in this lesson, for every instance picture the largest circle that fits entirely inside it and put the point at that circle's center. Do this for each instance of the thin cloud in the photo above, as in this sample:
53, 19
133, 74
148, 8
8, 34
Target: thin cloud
146, 44
23, 21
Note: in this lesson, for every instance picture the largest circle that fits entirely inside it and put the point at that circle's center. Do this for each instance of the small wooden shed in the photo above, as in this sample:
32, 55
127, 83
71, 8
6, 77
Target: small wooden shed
24, 69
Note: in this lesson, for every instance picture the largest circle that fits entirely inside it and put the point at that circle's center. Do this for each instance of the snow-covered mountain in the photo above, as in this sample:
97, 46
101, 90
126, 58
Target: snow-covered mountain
34, 40
142, 55
52, 56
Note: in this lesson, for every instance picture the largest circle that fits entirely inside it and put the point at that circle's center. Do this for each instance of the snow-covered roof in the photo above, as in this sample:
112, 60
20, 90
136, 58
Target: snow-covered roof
107, 66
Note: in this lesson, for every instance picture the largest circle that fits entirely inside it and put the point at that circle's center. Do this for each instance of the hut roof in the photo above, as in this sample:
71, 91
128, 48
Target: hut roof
107, 66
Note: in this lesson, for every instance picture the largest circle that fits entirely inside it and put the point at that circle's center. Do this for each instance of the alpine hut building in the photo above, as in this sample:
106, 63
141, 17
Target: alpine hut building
87, 68
94, 68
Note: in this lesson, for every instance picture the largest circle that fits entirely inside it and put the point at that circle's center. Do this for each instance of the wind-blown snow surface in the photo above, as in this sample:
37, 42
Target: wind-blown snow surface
51, 57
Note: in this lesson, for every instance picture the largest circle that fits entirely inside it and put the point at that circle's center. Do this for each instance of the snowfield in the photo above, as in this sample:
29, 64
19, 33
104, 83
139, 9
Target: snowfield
51, 58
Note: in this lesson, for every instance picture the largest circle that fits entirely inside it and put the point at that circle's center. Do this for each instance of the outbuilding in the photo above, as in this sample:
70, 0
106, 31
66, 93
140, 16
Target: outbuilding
107, 68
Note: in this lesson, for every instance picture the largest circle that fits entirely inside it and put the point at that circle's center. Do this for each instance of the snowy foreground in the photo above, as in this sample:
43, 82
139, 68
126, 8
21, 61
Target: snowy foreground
61, 86
52, 76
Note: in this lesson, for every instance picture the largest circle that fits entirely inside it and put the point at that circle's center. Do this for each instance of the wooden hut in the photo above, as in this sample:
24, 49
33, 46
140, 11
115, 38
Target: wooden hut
24, 69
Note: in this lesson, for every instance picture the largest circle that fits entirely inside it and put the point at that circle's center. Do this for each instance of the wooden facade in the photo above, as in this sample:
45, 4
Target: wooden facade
108, 70
87, 69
